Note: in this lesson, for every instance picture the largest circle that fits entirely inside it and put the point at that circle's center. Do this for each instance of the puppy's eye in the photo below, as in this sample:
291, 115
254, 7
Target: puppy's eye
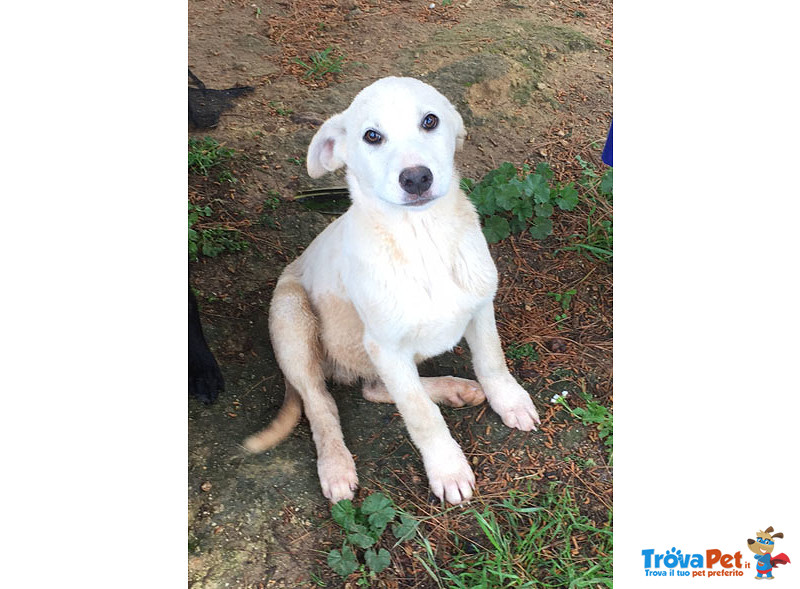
373, 137
430, 122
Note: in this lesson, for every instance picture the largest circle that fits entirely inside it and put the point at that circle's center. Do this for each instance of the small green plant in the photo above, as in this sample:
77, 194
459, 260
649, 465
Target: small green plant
206, 154
594, 413
297, 161
520, 351
598, 241
511, 201
279, 108
322, 63
210, 241
363, 527
270, 205
565, 299
217, 240
588, 172
316, 579
226, 176
195, 213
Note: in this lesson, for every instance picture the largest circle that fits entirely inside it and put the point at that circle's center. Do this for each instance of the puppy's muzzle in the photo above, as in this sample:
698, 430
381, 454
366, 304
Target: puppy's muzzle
416, 182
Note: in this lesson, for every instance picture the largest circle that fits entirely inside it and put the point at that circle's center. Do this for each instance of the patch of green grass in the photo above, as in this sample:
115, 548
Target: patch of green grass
527, 541
594, 414
583, 463
207, 154
270, 205
322, 63
210, 241
512, 201
598, 240
279, 108
207, 238
363, 526
520, 351
226, 176
316, 579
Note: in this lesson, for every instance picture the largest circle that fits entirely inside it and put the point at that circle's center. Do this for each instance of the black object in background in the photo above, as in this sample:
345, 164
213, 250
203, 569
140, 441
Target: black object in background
206, 105
205, 377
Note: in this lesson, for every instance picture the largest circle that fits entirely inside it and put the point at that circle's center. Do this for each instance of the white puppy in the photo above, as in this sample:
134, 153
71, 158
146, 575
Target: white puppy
402, 276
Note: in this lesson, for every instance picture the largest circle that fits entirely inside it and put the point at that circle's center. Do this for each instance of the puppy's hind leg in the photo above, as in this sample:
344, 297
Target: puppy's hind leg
443, 390
295, 339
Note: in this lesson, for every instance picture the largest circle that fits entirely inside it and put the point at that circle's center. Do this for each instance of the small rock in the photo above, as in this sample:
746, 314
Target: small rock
353, 14
205, 487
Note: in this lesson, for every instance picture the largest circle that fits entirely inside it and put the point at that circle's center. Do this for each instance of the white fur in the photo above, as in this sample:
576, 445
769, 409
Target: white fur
419, 278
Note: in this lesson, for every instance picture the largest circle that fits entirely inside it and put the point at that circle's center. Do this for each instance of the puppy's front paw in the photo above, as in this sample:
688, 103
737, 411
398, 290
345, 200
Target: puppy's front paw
337, 474
514, 406
450, 475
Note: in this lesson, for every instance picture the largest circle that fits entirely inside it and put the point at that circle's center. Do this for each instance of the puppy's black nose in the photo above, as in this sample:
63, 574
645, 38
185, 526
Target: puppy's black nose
416, 180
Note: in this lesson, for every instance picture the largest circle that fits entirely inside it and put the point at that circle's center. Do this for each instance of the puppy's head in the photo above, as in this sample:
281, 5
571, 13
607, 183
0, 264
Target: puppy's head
397, 139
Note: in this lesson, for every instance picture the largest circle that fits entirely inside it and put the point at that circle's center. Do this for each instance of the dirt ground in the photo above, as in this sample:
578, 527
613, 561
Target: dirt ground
532, 79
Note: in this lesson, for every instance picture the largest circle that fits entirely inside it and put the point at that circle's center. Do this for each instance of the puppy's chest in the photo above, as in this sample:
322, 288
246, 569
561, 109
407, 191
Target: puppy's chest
426, 299
432, 293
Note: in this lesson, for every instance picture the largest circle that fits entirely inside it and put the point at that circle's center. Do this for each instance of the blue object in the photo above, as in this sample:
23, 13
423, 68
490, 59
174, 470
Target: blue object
608, 150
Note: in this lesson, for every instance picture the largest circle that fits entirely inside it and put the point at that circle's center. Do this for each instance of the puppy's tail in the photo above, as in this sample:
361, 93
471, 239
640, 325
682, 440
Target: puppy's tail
280, 427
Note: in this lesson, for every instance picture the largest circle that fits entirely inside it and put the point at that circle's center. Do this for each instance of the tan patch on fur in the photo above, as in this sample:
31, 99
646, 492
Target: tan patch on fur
390, 245
293, 327
342, 334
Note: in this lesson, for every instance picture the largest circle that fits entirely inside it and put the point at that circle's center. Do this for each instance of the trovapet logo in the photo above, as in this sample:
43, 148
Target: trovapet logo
714, 562
711, 563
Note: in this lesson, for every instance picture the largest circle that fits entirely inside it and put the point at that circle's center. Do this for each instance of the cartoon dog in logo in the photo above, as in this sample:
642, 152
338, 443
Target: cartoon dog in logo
763, 546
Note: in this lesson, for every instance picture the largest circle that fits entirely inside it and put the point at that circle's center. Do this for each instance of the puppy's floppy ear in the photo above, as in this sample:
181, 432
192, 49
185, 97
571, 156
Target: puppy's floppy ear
461, 133
327, 150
